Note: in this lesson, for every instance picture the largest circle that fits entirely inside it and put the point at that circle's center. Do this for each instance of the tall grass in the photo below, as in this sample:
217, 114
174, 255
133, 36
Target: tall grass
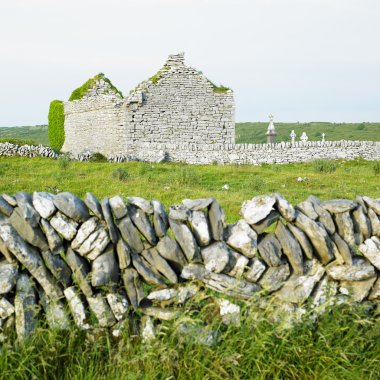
343, 344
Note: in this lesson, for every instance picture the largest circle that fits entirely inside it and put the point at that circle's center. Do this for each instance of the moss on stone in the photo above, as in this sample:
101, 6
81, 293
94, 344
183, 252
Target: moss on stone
156, 77
81, 91
56, 129
218, 89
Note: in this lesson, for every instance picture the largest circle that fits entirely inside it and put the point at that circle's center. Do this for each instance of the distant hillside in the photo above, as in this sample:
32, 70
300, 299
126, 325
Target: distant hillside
245, 132
37, 134
255, 132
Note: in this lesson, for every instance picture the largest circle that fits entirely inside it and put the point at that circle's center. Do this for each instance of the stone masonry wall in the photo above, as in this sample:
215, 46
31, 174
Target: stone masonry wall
67, 257
281, 153
181, 107
95, 122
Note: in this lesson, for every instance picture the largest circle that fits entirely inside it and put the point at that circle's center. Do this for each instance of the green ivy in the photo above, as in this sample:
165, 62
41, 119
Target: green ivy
81, 91
156, 77
218, 89
56, 127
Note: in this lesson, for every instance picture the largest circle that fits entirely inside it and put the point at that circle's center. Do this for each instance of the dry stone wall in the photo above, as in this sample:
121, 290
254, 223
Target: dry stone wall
62, 257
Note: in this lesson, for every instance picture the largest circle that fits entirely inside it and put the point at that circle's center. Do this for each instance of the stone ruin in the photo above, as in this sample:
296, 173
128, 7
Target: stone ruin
63, 259
178, 104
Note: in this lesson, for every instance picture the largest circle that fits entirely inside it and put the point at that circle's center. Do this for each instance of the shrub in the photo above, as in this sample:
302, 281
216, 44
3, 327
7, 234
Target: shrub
81, 91
376, 167
324, 166
18, 141
56, 127
121, 174
98, 157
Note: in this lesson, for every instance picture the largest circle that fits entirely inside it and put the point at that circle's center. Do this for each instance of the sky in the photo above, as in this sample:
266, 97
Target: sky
301, 60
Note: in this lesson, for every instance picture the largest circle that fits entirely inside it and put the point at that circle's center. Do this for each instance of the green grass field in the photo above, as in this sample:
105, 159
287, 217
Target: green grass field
245, 132
343, 344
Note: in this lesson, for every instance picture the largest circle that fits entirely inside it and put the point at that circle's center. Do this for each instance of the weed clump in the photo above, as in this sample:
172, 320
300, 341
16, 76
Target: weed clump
120, 174
98, 157
376, 167
324, 166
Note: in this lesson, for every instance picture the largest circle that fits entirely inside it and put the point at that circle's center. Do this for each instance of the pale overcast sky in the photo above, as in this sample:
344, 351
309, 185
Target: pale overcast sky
302, 60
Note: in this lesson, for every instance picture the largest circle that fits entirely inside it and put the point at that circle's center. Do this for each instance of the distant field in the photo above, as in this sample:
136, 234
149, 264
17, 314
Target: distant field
245, 132
255, 132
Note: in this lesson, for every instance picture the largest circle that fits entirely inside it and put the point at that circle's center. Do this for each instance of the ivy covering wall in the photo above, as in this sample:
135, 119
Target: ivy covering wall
56, 127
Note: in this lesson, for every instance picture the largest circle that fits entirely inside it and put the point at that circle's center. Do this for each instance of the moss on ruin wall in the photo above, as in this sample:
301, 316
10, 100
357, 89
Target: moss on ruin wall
81, 91
56, 128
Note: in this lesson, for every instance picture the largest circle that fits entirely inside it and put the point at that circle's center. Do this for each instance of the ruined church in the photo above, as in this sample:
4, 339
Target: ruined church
177, 105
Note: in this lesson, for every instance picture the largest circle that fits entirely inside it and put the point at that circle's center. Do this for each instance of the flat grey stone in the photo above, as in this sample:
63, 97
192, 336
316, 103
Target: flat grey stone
324, 294
77, 307
220, 282
130, 234
374, 204
307, 208
216, 257
26, 308
6, 308
43, 202
274, 277
10, 199
5, 207
362, 224
54, 241
290, 247
257, 209
186, 292
84, 231
93, 205
55, 313
285, 208
28, 228
375, 222
217, 219
371, 251
143, 224
179, 213
357, 290
95, 244
336, 206
162, 295
240, 263
118, 207
160, 219
106, 210
345, 228
325, 218
185, 239
318, 237
101, 310
343, 248
58, 268
8, 276
170, 250
133, 286
118, 303
123, 253
81, 271
166, 314
71, 206
145, 271
374, 294
160, 264
64, 226
359, 270
303, 240
242, 238
104, 269
261, 226
298, 288
31, 259
6, 253
270, 250
197, 204
141, 203
255, 270
199, 224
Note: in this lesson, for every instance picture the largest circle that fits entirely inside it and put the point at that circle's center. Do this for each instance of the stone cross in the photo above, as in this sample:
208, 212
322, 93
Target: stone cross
293, 136
323, 137
304, 137
271, 132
